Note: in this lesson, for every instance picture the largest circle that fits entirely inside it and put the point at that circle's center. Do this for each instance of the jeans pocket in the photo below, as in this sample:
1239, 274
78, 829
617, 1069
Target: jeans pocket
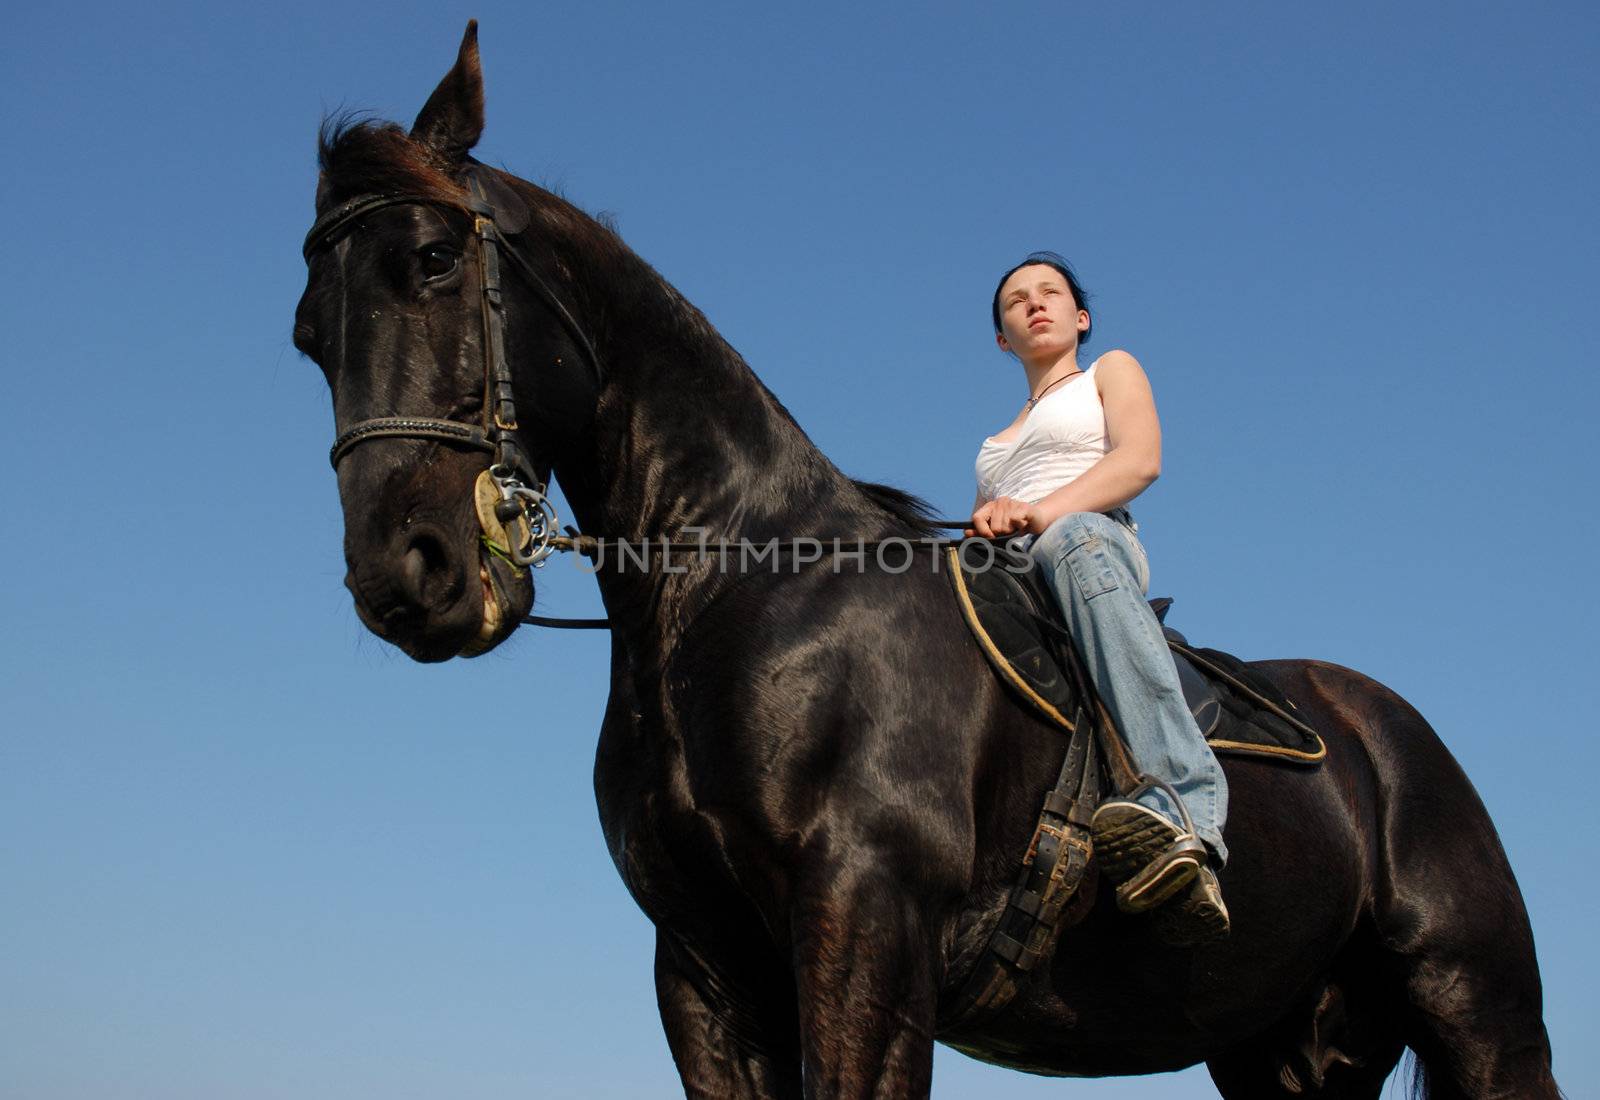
1091, 569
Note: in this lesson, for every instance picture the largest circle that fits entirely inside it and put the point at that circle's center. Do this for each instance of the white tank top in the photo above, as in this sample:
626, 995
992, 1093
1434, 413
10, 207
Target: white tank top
1062, 437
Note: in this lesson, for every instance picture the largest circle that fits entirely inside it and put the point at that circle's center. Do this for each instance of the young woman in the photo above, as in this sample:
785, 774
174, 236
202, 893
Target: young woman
1085, 444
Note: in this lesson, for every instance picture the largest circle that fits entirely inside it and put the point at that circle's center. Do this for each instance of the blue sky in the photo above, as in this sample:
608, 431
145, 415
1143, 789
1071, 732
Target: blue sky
248, 851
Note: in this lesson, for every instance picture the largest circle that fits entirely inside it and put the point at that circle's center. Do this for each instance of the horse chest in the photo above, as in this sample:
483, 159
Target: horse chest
673, 854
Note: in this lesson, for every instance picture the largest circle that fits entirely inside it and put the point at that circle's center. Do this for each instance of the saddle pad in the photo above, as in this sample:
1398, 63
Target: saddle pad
1256, 718
1003, 616
1012, 617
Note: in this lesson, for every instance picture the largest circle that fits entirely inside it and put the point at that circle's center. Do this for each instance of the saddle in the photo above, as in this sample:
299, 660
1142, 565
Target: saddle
1017, 624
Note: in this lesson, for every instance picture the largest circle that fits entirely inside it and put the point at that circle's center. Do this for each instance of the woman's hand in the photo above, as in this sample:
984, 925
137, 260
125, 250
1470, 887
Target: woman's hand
1005, 516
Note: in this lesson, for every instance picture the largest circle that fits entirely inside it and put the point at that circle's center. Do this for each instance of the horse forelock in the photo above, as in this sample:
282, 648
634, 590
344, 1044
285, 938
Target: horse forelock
365, 156
360, 156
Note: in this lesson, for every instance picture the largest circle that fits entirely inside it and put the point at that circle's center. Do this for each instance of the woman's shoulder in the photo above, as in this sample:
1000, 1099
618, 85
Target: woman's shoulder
1115, 366
1115, 359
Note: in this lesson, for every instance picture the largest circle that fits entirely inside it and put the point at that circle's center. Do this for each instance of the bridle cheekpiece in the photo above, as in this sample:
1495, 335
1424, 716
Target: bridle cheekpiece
522, 514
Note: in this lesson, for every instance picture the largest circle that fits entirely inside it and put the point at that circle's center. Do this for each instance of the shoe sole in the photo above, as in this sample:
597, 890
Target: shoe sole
1146, 856
1197, 918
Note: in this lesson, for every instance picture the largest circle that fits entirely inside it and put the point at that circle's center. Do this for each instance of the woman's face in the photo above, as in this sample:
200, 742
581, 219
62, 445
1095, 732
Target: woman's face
1038, 315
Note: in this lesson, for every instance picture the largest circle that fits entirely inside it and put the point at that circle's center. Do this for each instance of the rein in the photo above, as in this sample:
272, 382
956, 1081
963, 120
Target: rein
591, 546
514, 509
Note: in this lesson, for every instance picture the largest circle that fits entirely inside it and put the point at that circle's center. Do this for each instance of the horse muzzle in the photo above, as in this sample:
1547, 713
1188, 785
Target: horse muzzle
438, 593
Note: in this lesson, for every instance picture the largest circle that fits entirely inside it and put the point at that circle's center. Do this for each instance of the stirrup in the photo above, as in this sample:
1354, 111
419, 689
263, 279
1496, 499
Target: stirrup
1148, 782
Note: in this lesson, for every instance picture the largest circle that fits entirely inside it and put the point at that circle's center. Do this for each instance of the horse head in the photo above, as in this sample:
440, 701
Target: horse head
442, 453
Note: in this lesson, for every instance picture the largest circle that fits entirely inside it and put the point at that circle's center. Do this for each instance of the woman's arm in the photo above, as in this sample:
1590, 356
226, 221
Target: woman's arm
1131, 462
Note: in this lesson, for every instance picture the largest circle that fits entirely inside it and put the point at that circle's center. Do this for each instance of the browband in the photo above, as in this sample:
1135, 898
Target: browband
325, 228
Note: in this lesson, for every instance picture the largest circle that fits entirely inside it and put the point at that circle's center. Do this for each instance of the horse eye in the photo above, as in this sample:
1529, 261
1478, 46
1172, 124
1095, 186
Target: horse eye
438, 261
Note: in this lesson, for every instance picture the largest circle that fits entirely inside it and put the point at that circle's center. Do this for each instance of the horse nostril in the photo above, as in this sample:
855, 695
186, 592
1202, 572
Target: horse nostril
427, 573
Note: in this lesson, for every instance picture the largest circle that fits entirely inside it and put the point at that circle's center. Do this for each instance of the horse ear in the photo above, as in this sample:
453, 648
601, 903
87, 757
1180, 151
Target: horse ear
452, 119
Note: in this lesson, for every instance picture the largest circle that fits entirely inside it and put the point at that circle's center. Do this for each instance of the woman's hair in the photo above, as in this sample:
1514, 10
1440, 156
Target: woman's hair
1048, 259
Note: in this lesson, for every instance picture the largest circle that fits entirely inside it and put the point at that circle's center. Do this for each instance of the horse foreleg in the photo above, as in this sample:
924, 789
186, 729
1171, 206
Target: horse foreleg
726, 1046
865, 967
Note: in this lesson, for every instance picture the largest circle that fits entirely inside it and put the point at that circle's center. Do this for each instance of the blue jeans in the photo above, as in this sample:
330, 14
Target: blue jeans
1100, 575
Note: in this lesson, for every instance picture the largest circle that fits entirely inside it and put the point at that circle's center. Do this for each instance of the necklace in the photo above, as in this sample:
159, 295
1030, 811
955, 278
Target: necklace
1032, 401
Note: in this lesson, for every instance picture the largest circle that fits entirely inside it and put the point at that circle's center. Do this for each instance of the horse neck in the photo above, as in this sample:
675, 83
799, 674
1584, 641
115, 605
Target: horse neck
685, 436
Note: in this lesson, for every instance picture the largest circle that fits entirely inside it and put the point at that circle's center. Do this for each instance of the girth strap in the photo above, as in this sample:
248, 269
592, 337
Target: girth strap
1024, 939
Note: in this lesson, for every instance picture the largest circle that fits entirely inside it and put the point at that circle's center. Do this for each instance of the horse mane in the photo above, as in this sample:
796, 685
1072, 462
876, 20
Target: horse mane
907, 509
359, 155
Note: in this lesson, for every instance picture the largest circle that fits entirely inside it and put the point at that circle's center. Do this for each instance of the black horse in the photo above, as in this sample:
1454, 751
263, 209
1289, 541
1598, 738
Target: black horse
810, 780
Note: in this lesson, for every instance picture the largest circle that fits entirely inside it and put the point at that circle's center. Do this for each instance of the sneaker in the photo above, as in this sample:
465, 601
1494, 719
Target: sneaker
1195, 917
1148, 857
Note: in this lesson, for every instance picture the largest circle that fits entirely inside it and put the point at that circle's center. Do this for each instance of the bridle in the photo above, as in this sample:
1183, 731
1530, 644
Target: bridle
519, 522
521, 513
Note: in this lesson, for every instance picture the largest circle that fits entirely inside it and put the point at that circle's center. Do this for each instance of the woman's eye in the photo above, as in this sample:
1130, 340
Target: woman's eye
438, 262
